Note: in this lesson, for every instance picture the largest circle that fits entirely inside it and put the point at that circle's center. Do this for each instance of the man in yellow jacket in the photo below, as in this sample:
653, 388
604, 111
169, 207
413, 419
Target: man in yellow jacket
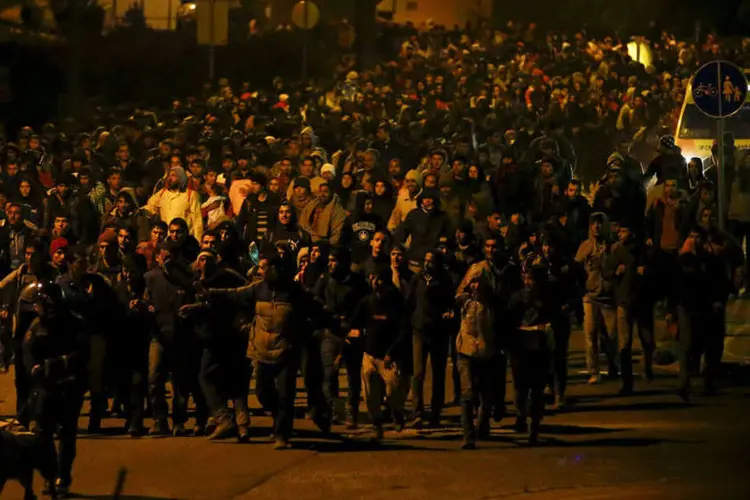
176, 199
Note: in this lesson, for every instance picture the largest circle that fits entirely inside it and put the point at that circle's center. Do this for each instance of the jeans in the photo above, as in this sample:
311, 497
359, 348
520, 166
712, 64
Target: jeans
165, 357
225, 375
596, 315
312, 374
276, 388
351, 356
95, 368
436, 347
530, 369
379, 380
476, 383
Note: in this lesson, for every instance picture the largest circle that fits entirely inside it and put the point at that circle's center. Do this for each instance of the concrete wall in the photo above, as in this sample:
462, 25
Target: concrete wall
445, 12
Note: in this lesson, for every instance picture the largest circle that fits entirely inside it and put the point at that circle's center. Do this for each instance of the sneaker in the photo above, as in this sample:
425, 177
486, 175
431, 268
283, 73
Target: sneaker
62, 485
281, 444
222, 431
178, 430
135, 431
160, 428
595, 379
399, 420
323, 422
417, 423
243, 434
377, 433
199, 430
521, 426
468, 444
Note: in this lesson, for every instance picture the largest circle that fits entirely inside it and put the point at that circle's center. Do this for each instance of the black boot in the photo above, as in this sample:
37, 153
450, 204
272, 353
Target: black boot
467, 422
534, 432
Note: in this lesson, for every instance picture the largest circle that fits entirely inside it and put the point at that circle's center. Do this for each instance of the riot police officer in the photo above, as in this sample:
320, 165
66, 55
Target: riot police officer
55, 359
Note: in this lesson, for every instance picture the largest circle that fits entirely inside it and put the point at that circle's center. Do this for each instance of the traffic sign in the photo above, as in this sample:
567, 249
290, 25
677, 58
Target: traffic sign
305, 15
719, 89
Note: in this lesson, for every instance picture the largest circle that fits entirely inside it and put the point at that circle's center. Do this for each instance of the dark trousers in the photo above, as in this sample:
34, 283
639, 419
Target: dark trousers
6, 343
22, 381
435, 347
639, 314
350, 353
741, 232
561, 332
276, 387
167, 357
312, 374
225, 375
667, 279
499, 377
58, 412
701, 335
530, 370
477, 376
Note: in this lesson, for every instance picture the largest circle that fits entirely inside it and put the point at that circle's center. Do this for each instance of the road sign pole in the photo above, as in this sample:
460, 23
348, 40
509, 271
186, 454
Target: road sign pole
721, 189
212, 46
304, 42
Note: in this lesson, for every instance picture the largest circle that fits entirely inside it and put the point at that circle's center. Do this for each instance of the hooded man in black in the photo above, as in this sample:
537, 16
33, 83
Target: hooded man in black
425, 225
432, 305
361, 227
287, 230
340, 290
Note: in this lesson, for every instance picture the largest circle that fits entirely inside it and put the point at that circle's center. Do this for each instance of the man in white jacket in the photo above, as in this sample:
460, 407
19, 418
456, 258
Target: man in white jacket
176, 199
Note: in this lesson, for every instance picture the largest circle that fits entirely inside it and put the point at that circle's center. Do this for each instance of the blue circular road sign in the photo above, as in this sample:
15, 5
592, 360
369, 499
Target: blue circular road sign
719, 89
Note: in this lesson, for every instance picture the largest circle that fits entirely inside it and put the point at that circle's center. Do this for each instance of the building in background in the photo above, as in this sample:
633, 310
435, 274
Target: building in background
444, 12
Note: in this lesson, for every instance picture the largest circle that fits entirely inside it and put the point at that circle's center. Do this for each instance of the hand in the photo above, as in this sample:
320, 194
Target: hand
649, 242
134, 304
4, 314
337, 361
354, 333
36, 369
620, 270
151, 309
448, 315
641, 270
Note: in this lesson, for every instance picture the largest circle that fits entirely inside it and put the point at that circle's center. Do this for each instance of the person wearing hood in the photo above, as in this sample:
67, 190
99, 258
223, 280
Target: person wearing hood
301, 194
599, 301
15, 232
258, 213
348, 193
84, 220
340, 291
287, 231
324, 217
29, 195
125, 212
177, 200
383, 200
407, 199
669, 162
450, 202
361, 228
424, 227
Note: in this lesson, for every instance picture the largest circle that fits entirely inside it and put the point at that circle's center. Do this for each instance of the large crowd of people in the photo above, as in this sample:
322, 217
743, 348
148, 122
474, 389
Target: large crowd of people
432, 208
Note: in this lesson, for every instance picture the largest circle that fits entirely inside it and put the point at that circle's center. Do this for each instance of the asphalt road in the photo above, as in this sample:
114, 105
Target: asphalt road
650, 446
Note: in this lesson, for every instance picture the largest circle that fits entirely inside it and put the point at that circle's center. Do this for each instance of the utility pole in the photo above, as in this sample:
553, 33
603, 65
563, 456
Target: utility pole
75, 47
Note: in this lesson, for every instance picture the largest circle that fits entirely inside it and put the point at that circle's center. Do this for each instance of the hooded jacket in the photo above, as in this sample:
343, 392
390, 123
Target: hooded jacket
183, 203
424, 229
324, 222
405, 202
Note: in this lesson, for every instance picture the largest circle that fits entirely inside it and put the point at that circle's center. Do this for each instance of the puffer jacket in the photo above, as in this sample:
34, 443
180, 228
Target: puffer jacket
280, 324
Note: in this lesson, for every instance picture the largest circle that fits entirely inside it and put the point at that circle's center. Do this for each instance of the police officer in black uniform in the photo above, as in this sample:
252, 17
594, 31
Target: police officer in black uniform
55, 358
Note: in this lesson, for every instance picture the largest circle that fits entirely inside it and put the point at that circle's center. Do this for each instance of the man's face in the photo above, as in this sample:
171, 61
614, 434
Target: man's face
623, 233
123, 153
412, 186
255, 187
572, 191
208, 241
123, 239
458, 168
59, 257
25, 189
286, 167
85, 182
707, 217
114, 181
369, 162
382, 135
436, 160
428, 204
243, 164
707, 195
333, 264
394, 167
377, 242
157, 235
12, 169
210, 178
314, 254
165, 149
596, 227
175, 232
205, 265
547, 170
173, 180
397, 258
491, 249
695, 238
324, 193
60, 225
34, 143
124, 205
104, 249
285, 215
494, 221
429, 262
63, 190
300, 191
307, 168
227, 164
274, 186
